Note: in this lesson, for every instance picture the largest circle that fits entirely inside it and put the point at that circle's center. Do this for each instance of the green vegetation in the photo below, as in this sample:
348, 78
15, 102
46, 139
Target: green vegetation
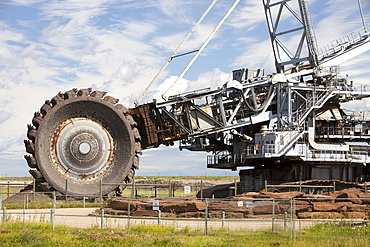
8, 189
59, 204
41, 234
16, 178
6, 192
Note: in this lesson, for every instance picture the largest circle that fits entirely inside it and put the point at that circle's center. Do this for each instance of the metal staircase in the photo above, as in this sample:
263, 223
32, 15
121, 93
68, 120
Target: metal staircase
315, 102
289, 139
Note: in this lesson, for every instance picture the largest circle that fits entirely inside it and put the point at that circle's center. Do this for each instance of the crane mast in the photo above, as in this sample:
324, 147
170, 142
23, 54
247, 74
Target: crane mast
284, 54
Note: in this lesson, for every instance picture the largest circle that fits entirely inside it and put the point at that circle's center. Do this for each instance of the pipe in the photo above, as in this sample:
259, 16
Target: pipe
315, 145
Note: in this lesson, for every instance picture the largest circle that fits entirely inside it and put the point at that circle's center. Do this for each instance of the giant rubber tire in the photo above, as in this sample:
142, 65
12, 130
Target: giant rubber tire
81, 141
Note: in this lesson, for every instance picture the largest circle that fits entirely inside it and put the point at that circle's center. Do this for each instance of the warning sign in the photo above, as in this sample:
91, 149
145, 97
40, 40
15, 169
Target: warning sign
156, 205
187, 189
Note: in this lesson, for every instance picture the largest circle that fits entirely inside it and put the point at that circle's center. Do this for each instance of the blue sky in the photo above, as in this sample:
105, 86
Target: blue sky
118, 46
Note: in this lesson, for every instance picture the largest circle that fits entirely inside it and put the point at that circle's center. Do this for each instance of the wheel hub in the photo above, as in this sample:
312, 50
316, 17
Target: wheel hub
82, 149
84, 146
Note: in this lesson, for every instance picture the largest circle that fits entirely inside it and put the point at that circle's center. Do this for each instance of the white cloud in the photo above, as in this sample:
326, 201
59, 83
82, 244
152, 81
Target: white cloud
173, 9
23, 2
79, 11
248, 15
118, 46
170, 42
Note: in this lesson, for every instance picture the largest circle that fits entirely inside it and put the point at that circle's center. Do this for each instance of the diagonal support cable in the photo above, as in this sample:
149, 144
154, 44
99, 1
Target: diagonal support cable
174, 54
196, 55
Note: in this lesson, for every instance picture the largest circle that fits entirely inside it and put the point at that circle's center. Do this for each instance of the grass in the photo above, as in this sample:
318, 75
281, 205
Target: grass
59, 204
16, 178
41, 234
6, 192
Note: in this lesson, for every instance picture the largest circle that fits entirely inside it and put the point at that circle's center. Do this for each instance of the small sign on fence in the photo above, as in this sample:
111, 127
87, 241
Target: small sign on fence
156, 205
240, 203
187, 189
249, 204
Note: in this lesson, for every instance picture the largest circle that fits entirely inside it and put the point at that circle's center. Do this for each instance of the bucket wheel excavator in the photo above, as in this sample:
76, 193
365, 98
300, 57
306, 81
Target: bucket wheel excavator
82, 136
287, 126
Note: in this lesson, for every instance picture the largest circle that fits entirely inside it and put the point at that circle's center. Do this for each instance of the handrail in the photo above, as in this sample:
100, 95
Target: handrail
342, 43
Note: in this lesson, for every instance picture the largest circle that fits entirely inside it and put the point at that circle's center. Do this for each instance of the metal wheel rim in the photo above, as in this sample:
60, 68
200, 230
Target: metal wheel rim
82, 149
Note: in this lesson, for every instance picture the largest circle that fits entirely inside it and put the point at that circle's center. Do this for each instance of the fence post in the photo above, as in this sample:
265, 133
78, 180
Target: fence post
52, 218
133, 188
265, 185
201, 189
128, 213
102, 219
334, 186
173, 190
223, 218
34, 190
155, 188
84, 202
293, 218
8, 190
285, 220
25, 202
159, 217
66, 190
101, 189
169, 188
206, 219
54, 200
236, 188
1, 202
4, 214
273, 216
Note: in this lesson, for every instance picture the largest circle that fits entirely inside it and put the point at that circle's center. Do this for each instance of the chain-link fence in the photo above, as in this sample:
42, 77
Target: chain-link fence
289, 215
168, 202
11, 188
151, 187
